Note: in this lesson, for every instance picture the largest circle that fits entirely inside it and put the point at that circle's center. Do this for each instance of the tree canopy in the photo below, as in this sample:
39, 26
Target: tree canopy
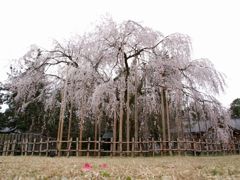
121, 77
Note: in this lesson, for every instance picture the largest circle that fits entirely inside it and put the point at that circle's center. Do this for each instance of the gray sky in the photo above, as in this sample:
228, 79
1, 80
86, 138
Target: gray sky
213, 26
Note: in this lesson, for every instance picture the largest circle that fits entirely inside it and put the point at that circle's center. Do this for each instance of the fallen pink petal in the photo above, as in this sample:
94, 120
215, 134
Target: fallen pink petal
104, 165
87, 167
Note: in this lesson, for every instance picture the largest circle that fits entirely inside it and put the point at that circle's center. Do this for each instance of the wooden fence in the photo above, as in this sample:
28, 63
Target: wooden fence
13, 145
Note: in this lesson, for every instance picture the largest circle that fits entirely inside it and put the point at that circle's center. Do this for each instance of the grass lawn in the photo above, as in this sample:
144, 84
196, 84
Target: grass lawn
217, 167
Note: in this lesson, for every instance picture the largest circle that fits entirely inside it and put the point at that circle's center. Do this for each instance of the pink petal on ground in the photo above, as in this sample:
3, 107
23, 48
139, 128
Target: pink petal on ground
104, 165
87, 167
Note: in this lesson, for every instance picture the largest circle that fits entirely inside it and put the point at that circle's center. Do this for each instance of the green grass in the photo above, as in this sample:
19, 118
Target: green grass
218, 167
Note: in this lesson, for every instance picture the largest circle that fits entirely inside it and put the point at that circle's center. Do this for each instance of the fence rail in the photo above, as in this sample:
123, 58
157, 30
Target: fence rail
13, 145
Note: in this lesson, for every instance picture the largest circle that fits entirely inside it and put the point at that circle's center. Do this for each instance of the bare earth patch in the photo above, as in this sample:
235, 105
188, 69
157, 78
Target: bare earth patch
218, 167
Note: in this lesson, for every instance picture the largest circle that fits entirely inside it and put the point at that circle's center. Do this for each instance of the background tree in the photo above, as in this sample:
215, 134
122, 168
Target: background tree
235, 108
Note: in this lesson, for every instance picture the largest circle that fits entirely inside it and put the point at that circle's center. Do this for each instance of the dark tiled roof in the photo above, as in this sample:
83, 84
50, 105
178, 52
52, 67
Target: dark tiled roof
205, 125
235, 124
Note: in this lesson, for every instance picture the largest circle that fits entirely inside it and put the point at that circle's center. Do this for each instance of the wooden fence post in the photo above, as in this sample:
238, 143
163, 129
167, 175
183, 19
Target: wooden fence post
99, 147
13, 146
170, 143
185, 146
140, 146
47, 147
26, 147
77, 150
40, 147
207, 148
4, 148
238, 147
69, 146
88, 146
178, 147
8, 147
153, 148
111, 147
133, 147
194, 147
33, 148
22, 146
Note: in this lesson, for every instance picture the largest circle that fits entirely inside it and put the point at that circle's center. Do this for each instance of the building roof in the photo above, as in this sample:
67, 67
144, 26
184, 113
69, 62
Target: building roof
107, 135
7, 130
205, 125
235, 124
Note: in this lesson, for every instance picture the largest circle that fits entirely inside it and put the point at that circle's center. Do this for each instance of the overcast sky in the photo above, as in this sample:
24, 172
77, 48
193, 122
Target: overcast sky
213, 26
